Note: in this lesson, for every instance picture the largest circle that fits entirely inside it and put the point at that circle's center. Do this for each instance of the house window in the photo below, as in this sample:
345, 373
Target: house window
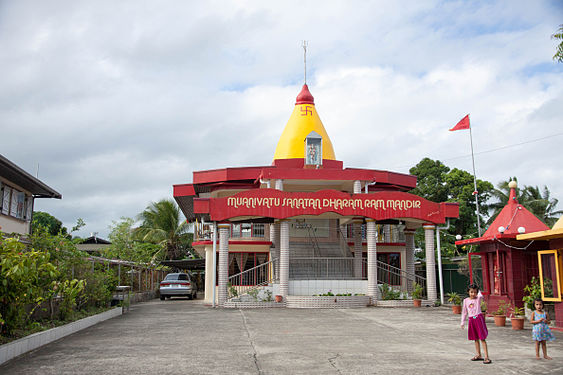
258, 230
235, 230
247, 230
15, 203
6, 200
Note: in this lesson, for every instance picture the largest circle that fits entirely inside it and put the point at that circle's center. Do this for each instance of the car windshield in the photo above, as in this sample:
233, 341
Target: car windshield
176, 276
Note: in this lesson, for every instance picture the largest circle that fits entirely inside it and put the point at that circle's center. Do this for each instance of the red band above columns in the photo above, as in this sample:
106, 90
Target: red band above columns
278, 204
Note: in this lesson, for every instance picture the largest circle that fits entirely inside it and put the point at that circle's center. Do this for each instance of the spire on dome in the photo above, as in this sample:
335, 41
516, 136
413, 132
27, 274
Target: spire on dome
305, 96
512, 198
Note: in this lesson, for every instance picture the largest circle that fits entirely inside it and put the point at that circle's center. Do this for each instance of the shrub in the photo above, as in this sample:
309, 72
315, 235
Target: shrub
534, 291
388, 293
26, 279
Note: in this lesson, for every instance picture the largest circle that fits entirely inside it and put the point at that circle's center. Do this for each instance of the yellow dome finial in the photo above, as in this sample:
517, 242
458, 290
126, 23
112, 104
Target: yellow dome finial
302, 122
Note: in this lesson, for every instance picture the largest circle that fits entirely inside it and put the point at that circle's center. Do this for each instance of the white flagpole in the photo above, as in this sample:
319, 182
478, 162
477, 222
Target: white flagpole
475, 192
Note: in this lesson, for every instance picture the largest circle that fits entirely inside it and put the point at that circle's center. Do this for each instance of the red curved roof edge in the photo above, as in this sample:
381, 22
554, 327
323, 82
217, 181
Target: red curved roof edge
511, 217
289, 171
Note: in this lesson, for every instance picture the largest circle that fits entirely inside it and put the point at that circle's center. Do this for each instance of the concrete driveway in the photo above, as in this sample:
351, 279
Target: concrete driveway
185, 337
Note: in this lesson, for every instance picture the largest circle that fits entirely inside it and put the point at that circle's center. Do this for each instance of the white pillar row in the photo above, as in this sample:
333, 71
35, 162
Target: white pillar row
223, 261
409, 248
284, 258
279, 184
358, 248
430, 262
372, 260
209, 271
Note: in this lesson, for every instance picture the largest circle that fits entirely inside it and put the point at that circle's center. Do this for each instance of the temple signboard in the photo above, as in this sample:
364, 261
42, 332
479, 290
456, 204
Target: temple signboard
282, 205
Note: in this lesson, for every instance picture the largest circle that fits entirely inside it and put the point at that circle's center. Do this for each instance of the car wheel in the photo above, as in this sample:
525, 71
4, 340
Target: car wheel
190, 296
162, 298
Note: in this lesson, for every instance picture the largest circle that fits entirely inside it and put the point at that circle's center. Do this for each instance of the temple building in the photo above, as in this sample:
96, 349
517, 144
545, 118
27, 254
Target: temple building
306, 226
550, 261
508, 261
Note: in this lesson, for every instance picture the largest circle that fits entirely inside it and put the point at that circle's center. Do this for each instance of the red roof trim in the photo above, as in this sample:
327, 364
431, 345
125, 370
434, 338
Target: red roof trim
183, 190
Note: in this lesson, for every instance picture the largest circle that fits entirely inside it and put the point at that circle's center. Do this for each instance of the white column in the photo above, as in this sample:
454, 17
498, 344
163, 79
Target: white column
372, 260
387, 233
275, 238
284, 258
357, 232
409, 249
208, 273
358, 248
223, 261
357, 187
430, 262
278, 186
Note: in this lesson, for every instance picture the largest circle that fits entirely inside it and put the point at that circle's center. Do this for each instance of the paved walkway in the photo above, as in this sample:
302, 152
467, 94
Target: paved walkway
184, 337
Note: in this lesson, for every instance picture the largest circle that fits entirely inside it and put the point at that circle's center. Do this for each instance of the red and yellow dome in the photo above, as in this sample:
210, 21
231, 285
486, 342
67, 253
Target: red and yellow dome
302, 122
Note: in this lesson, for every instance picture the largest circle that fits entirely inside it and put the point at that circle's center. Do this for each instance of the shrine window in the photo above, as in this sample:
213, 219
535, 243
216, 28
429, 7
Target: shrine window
550, 274
313, 149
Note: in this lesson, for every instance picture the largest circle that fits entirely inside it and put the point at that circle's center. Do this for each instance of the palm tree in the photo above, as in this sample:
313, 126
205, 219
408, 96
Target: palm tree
161, 223
541, 205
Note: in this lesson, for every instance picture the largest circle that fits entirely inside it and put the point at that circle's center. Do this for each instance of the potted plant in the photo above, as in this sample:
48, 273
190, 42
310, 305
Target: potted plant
500, 313
455, 299
517, 319
484, 307
278, 298
417, 294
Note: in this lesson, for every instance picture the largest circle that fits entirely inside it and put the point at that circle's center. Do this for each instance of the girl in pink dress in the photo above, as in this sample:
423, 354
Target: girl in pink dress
477, 328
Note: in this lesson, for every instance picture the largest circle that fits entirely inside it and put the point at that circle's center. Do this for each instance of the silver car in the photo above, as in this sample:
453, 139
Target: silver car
177, 284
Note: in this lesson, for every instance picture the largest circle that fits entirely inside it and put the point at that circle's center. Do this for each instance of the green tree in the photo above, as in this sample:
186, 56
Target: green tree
125, 245
542, 205
53, 225
430, 180
559, 50
461, 189
162, 224
438, 183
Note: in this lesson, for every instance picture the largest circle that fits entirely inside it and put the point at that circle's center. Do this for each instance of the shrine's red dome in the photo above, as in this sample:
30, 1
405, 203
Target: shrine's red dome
305, 96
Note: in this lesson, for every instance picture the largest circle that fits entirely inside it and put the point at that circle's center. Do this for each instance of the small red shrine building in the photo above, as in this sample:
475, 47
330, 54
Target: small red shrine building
550, 261
306, 225
508, 262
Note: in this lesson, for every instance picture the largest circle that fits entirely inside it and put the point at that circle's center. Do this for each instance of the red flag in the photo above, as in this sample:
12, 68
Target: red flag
462, 124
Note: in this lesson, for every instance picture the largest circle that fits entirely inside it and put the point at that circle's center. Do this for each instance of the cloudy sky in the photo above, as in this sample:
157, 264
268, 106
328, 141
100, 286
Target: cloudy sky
113, 102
